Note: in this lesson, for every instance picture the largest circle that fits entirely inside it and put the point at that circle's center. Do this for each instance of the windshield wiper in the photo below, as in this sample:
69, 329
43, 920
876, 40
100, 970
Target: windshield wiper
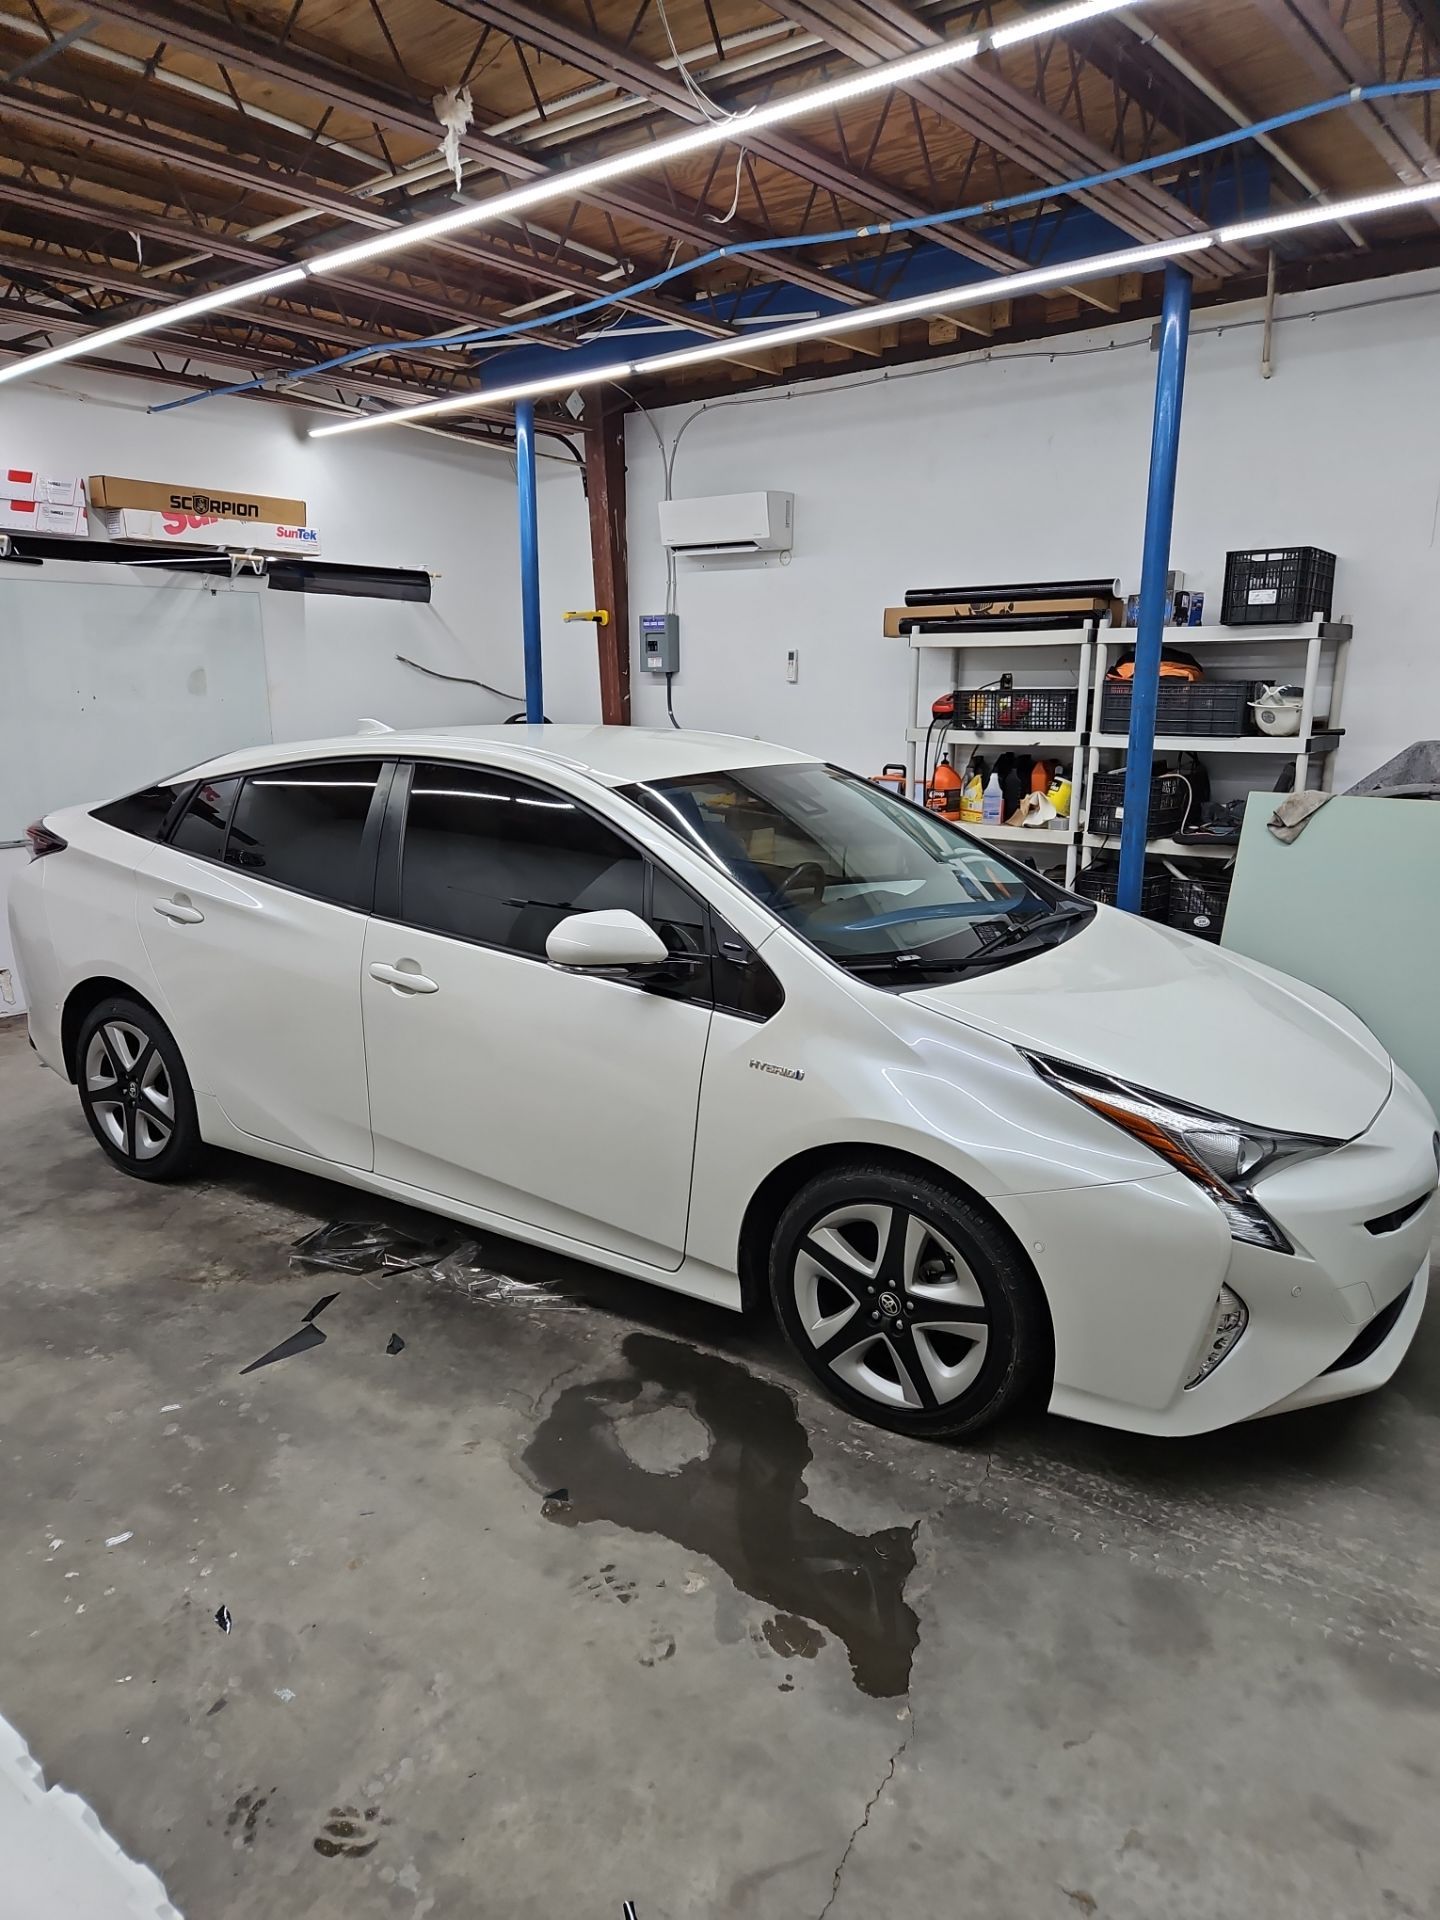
1018, 930
896, 963
1009, 940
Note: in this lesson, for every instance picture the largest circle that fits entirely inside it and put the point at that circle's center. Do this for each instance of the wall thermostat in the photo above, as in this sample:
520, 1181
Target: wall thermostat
660, 642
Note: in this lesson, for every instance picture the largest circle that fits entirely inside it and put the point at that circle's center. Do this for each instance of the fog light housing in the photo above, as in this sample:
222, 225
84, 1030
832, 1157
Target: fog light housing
1227, 1323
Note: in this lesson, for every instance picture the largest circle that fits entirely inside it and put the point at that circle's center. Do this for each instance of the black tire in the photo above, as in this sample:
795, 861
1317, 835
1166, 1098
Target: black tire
949, 1325
147, 1124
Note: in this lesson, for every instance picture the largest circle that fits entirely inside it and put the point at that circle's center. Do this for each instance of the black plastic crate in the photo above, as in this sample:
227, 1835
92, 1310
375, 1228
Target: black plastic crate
1210, 708
1278, 586
1021, 710
1169, 798
1101, 881
1198, 903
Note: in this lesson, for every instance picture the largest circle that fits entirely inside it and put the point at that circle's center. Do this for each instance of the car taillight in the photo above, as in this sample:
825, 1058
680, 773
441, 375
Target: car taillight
43, 841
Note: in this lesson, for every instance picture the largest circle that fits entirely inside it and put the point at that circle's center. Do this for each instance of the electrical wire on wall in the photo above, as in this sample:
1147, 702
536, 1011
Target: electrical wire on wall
667, 466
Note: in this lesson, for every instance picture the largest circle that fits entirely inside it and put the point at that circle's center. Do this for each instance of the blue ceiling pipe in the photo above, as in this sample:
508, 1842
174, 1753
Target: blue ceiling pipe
529, 557
1155, 567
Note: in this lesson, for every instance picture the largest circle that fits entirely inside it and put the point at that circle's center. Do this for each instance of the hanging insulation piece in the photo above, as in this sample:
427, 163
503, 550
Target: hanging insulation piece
454, 110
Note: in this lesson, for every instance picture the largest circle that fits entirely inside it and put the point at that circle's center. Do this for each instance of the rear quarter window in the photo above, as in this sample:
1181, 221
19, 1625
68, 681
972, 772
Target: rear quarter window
143, 813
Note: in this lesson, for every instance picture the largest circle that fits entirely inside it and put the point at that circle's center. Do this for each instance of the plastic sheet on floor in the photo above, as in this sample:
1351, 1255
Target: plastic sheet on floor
464, 1269
346, 1246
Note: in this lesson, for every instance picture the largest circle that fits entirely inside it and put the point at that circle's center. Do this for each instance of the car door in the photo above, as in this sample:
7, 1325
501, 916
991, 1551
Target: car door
253, 914
558, 1100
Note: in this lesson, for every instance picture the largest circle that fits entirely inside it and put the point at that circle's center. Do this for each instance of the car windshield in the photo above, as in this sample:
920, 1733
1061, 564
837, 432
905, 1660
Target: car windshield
887, 890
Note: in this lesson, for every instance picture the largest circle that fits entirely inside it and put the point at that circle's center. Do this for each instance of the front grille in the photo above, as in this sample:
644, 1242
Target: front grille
1388, 1222
1371, 1335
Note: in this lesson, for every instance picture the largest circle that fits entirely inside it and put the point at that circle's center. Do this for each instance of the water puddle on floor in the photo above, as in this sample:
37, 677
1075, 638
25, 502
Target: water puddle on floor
732, 1489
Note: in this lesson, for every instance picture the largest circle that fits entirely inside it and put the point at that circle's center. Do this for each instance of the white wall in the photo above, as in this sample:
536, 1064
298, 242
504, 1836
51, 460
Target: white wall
397, 498
1035, 466
1032, 463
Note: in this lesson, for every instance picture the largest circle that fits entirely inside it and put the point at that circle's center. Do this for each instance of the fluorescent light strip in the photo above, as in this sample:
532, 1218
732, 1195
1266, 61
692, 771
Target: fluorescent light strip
976, 293
153, 321
470, 402
569, 182
1002, 286
1334, 210
1054, 21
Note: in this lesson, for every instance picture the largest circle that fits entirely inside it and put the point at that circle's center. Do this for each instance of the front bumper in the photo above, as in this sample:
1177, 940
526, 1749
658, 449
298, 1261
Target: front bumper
1132, 1320
1375, 1359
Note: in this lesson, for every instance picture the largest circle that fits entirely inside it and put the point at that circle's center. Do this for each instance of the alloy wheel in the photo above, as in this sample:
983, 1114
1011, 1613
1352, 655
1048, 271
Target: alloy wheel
128, 1089
890, 1306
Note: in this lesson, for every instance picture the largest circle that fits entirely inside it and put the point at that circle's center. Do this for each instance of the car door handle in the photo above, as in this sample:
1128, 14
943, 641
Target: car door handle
406, 979
179, 909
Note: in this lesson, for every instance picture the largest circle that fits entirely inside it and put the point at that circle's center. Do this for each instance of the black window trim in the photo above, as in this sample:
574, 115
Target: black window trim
386, 905
370, 835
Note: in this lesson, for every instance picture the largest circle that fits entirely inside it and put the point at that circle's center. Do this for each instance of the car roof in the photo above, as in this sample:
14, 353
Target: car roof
614, 756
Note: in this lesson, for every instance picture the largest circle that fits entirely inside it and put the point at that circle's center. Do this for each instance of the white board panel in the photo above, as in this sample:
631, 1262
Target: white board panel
106, 686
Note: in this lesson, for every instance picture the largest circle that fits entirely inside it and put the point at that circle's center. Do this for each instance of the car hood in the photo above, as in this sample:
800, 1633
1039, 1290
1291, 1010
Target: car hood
1169, 1012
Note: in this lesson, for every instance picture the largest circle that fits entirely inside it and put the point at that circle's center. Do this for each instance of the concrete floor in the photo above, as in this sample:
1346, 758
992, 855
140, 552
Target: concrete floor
753, 1658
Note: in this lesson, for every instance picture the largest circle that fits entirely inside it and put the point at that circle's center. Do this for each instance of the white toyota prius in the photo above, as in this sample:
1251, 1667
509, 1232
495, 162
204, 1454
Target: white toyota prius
725, 1018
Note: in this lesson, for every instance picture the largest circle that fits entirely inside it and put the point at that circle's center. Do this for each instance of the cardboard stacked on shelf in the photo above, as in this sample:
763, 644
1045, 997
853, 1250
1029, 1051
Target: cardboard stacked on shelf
162, 513
1031, 603
32, 501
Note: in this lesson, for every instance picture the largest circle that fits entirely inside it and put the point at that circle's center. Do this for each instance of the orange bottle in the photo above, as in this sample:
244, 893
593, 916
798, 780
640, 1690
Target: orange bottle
944, 794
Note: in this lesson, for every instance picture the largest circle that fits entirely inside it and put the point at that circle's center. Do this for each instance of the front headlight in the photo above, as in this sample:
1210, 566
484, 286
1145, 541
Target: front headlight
1225, 1157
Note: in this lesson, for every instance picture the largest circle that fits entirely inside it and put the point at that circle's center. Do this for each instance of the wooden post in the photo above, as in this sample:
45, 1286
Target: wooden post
605, 487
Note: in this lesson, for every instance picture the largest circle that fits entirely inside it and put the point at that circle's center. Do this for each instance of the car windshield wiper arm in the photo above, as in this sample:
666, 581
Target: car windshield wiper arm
1019, 930
895, 963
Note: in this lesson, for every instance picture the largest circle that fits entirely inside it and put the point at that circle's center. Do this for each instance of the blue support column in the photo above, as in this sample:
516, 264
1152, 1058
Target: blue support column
1150, 627
529, 557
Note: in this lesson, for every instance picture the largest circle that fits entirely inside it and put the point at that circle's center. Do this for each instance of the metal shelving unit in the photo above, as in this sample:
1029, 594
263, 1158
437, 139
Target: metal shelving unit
1094, 639
1042, 840
1315, 741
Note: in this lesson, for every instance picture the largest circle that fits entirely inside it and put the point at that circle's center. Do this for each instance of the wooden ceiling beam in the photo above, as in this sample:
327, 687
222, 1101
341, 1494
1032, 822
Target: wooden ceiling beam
179, 24
214, 163
197, 345
97, 216
977, 97
589, 53
1331, 55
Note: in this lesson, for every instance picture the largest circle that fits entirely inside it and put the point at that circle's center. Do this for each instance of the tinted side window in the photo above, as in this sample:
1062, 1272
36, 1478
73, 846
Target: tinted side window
201, 828
743, 982
143, 813
497, 860
304, 827
683, 924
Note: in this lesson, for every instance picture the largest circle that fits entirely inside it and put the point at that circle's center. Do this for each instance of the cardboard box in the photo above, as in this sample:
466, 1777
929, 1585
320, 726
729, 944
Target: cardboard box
223, 503
204, 530
55, 489
39, 516
901, 621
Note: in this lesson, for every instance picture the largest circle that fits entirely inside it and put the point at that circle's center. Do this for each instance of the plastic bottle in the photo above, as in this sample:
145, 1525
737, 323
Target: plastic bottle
944, 795
972, 798
993, 806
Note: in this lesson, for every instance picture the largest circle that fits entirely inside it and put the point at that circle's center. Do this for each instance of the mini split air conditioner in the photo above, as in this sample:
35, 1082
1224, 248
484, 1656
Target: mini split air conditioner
729, 523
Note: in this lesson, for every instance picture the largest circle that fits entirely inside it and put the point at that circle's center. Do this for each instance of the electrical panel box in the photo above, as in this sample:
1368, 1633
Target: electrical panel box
660, 642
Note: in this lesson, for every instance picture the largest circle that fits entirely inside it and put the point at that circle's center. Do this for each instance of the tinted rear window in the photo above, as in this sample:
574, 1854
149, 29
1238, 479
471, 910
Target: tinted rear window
142, 813
304, 827
201, 828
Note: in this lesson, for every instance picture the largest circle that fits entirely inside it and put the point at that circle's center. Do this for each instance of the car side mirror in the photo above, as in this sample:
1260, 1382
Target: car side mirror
614, 938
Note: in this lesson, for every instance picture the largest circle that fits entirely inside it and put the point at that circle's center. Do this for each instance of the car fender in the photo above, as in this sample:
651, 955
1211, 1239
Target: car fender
850, 1074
